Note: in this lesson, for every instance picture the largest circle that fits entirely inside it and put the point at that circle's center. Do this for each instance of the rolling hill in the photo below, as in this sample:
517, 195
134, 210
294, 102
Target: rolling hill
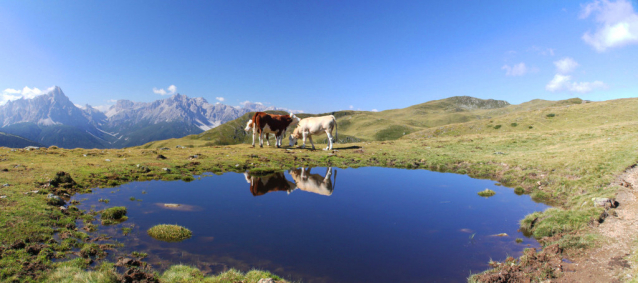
385, 125
13, 141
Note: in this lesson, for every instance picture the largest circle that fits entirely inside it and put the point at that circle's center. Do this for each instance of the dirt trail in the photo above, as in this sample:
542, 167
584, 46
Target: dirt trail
612, 261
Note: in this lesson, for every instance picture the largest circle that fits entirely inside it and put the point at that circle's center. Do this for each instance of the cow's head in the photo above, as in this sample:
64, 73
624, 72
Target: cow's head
296, 134
249, 125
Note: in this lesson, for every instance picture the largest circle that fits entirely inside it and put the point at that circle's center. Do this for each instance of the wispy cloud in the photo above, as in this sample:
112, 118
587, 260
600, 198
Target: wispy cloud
563, 82
10, 94
617, 24
220, 98
351, 106
374, 110
516, 70
103, 108
565, 65
172, 89
542, 51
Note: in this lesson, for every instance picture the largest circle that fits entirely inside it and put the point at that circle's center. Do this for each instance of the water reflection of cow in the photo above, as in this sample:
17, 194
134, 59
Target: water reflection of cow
314, 183
260, 185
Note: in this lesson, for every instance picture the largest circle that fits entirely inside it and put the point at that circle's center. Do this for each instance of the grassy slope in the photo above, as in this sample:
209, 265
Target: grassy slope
70, 136
379, 126
565, 160
13, 141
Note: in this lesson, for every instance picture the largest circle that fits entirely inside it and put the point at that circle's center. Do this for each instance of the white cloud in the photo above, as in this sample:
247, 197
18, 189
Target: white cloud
172, 89
220, 98
103, 108
516, 70
564, 82
617, 24
351, 106
10, 94
584, 87
565, 65
375, 110
558, 83
111, 100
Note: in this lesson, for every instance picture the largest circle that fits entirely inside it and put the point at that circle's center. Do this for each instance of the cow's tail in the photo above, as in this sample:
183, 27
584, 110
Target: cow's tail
336, 130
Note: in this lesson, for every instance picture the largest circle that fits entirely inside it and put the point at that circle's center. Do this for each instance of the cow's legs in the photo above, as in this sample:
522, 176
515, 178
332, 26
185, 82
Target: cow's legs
254, 132
328, 174
310, 138
267, 140
261, 139
304, 140
329, 147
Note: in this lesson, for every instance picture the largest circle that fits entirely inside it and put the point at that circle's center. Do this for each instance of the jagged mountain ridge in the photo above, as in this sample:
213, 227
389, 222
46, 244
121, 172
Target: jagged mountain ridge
127, 123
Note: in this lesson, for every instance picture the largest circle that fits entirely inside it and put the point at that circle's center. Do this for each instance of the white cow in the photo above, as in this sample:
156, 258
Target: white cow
313, 183
315, 126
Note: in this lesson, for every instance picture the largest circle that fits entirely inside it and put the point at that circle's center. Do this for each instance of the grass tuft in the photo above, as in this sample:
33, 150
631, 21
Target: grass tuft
114, 213
169, 233
486, 193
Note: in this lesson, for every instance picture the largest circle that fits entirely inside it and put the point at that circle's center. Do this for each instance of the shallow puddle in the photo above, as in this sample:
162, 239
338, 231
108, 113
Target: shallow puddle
325, 225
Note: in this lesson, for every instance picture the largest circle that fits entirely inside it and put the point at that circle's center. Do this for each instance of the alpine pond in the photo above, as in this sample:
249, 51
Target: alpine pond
324, 224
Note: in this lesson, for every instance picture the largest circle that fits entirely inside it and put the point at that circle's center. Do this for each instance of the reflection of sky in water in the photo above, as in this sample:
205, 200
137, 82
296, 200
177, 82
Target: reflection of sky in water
378, 225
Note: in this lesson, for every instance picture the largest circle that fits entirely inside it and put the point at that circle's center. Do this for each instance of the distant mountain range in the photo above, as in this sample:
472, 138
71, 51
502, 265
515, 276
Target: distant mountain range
52, 119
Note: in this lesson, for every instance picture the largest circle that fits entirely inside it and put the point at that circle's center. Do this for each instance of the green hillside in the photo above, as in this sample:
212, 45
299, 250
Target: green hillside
8, 140
541, 116
354, 126
69, 136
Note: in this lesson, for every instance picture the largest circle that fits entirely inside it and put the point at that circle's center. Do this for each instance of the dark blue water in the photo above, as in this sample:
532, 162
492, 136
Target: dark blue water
357, 225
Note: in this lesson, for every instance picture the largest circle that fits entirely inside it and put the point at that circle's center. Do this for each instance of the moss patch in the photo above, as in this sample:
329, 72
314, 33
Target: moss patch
486, 193
169, 233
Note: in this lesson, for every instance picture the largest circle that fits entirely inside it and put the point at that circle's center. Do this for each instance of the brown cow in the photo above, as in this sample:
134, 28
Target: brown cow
271, 183
264, 123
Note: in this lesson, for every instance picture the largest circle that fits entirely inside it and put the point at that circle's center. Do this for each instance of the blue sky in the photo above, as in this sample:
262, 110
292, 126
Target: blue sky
319, 56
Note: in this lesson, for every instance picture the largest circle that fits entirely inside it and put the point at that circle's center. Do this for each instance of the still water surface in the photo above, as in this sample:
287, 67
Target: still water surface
326, 225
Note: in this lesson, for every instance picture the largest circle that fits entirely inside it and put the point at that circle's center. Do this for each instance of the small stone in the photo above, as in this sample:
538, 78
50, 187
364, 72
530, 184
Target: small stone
172, 205
266, 280
501, 235
5, 185
108, 160
84, 155
3, 196
167, 170
62, 208
604, 202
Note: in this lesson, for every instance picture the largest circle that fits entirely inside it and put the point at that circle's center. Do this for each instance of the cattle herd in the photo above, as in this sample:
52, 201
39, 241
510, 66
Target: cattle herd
264, 124
304, 180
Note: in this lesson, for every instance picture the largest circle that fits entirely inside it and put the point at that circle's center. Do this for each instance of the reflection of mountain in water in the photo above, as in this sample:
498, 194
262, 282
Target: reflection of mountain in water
314, 183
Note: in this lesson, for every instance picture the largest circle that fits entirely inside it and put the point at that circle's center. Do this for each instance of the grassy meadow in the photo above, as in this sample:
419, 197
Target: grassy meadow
562, 153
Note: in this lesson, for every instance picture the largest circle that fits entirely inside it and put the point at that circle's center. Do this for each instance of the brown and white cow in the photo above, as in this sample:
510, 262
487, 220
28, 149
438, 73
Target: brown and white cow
263, 123
260, 185
314, 183
315, 126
